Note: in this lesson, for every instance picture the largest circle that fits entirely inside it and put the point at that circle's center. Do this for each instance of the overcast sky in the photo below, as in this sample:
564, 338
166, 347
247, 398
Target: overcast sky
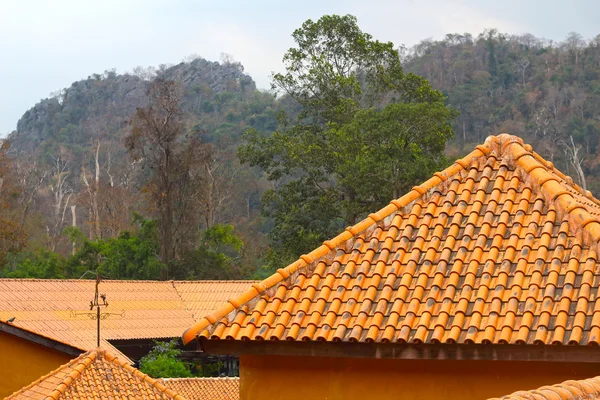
47, 45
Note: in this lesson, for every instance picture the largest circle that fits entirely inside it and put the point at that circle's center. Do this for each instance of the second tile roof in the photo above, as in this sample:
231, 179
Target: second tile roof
152, 309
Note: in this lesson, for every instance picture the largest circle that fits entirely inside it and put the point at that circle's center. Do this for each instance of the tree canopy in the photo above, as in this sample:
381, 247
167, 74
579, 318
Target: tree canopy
366, 132
163, 361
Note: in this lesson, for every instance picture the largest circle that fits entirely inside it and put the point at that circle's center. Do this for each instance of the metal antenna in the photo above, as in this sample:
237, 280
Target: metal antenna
98, 302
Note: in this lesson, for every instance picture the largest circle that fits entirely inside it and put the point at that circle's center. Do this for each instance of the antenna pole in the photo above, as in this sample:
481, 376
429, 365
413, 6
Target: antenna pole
99, 301
98, 318
97, 308
96, 303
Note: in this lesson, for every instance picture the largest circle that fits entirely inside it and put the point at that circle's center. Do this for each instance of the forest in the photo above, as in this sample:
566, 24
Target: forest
187, 171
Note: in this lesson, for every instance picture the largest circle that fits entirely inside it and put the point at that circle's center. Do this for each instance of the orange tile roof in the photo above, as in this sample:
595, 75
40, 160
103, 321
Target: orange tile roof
96, 374
204, 297
205, 388
568, 390
498, 248
151, 309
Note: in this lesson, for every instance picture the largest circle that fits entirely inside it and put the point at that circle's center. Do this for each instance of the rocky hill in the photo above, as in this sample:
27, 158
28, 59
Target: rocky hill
106, 101
61, 141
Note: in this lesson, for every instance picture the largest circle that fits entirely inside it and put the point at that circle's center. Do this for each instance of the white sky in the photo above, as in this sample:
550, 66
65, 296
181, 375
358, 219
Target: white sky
47, 45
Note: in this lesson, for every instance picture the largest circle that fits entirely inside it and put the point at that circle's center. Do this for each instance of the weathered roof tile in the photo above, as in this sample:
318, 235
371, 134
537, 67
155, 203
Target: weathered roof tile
96, 374
205, 388
568, 390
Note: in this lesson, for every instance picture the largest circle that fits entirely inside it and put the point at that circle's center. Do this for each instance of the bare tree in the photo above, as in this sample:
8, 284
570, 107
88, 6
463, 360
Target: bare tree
116, 195
574, 43
157, 139
73, 224
61, 194
92, 190
214, 189
146, 74
572, 152
542, 121
30, 178
522, 66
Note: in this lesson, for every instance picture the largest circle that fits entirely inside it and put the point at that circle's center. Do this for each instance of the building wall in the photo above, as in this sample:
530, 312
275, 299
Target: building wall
291, 378
22, 362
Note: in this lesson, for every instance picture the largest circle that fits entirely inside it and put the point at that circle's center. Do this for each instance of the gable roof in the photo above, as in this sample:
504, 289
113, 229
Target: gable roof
205, 388
500, 247
96, 374
568, 390
152, 309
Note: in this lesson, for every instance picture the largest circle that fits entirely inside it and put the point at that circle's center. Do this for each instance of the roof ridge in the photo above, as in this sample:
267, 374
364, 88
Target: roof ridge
328, 246
183, 303
546, 177
574, 388
139, 374
85, 360
82, 362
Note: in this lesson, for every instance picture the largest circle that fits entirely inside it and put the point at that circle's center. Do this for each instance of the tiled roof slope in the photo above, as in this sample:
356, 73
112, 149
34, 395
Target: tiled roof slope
96, 375
151, 309
204, 297
586, 389
498, 248
205, 388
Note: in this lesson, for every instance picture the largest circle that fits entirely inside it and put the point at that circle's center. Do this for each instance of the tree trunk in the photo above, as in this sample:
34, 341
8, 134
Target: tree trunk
573, 152
73, 224
97, 231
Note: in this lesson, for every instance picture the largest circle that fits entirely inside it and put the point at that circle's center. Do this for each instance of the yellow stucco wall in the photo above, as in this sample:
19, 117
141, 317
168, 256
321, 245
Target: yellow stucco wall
22, 362
291, 378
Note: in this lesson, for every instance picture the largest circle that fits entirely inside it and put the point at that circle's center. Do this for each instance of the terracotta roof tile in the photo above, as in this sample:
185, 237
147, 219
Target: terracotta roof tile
152, 309
498, 248
586, 389
205, 388
96, 374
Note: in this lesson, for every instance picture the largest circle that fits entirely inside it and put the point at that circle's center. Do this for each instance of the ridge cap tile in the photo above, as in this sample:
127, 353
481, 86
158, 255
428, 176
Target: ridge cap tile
567, 390
87, 373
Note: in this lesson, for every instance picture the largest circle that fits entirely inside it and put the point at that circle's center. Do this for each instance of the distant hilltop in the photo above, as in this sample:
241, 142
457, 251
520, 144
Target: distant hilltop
119, 95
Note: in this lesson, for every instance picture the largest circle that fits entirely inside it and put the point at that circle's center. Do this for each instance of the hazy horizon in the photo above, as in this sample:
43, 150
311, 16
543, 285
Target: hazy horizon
48, 46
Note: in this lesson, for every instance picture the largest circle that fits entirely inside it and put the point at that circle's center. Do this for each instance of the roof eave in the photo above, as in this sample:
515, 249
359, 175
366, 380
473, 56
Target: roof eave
40, 339
404, 351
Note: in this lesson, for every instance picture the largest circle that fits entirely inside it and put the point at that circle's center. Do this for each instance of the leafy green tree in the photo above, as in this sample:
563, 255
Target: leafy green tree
366, 133
217, 256
163, 361
43, 264
129, 256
